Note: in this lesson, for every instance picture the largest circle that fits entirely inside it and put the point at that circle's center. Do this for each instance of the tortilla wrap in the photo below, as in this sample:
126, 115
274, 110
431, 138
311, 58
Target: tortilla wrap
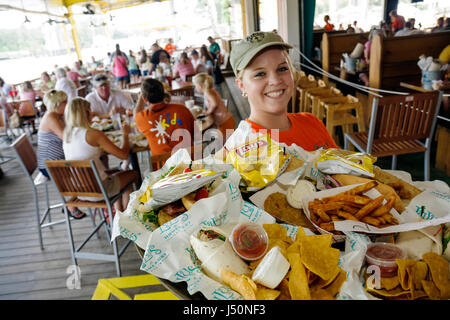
216, 255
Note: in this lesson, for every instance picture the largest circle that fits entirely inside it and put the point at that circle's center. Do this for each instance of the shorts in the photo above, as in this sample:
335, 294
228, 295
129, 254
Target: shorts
145, 72
124, 78
134, 72
111, 185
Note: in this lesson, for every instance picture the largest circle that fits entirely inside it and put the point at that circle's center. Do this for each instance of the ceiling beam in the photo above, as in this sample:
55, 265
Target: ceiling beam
8, 7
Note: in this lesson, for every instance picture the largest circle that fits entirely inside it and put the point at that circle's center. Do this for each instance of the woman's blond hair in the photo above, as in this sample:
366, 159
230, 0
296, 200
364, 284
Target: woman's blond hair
75, 115
204, 79
53, 98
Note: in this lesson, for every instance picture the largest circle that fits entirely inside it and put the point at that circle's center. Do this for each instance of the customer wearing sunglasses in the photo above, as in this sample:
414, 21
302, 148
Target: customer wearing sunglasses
106, 101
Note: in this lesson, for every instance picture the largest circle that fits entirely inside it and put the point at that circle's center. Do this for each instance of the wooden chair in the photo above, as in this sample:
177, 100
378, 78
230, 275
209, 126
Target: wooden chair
303, 86
313, 97
81, 178
5, 131
397, 125
188, 77
134, 85
28, 161
187, 91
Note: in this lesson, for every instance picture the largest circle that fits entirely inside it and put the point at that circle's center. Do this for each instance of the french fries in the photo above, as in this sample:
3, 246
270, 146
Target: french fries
352, 205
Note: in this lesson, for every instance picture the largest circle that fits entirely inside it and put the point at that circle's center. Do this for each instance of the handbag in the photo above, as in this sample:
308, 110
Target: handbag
15, 121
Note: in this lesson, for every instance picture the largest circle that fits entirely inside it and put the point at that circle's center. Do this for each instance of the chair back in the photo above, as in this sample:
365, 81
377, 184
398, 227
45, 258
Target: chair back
75, 178
3, 120
82, 91
184, 91
24, 107
188, 77
400, 118
134, 85
25, 154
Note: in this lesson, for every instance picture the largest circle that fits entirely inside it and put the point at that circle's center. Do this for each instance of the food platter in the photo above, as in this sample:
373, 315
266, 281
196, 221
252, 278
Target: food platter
232, 229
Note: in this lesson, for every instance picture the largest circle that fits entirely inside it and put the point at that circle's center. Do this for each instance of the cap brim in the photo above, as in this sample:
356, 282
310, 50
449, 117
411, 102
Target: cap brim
252, 53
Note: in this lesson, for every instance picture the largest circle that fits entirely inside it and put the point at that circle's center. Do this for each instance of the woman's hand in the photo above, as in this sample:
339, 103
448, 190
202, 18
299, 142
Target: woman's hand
125, 129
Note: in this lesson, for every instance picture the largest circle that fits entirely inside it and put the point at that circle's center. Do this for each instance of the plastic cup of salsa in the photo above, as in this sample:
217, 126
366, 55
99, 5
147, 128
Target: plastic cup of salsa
383, 255
249, 240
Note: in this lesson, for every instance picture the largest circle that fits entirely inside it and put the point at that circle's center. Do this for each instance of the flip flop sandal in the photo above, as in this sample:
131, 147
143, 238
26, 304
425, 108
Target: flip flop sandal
77, 214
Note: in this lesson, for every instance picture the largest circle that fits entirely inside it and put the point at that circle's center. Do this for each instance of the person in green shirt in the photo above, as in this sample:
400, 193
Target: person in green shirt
133, 68
214, 47
46, 82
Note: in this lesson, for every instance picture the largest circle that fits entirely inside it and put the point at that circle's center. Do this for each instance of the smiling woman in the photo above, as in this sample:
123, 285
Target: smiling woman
265, 75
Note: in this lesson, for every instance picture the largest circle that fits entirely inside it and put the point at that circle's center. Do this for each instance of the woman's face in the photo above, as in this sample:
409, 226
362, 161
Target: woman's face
61, 107
198, 87
268, 82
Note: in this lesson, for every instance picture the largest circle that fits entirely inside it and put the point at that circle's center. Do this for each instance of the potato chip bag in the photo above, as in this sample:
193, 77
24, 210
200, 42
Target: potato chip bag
339, 161
259, 161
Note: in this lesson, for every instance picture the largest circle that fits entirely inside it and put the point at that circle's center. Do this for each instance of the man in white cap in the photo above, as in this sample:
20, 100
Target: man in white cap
106, 101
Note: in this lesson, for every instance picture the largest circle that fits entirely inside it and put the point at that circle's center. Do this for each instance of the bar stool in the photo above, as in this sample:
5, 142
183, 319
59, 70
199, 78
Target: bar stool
303, 86
313, 96
339, 113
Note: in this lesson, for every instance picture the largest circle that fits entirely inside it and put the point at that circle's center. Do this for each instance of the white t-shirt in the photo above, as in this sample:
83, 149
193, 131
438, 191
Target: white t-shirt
116, 98
197, 62
68, 86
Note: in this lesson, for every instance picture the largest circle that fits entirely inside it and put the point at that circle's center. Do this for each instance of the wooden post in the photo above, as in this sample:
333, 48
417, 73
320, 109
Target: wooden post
325, 56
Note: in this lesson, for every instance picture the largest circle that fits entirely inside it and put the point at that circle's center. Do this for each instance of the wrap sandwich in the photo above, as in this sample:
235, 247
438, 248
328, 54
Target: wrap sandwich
214, 250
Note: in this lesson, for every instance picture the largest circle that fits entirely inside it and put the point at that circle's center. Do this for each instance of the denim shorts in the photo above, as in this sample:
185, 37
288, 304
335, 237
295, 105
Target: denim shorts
124, 78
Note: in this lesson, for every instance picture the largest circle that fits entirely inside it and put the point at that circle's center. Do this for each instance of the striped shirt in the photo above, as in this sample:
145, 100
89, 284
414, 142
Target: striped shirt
49, 148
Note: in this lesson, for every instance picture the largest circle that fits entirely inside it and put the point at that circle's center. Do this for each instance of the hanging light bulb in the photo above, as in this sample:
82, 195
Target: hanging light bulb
26, 20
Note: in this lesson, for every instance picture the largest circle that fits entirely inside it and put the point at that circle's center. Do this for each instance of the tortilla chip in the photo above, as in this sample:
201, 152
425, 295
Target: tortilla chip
264, 293
402, 272
295, 163
321, 294
284, 289
298, 281
335, 286
439, 273
389, 283
431, 290
397, 292
321, 283
318, 256
277, 231
420, 272
241, 284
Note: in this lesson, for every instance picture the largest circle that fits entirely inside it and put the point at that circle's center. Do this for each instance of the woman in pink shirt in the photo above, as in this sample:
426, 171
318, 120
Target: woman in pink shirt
120, 68
183, 68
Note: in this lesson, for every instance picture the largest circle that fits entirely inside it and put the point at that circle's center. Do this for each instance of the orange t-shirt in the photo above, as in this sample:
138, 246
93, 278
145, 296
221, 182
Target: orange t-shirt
329, 27
306, 131
170, 48
159, 123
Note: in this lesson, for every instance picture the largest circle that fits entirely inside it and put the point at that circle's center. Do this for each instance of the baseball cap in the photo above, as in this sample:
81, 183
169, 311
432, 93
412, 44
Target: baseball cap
243, 51
100, 79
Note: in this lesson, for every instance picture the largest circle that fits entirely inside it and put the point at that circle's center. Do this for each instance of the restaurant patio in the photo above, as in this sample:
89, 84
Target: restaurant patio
327, 80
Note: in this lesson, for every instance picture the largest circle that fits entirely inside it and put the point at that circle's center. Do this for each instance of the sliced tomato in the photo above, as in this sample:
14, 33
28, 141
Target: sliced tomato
187, 170
201, 193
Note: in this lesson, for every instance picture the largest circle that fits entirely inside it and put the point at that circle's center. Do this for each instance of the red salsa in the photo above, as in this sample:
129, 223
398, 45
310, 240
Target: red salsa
249, 241
383, 255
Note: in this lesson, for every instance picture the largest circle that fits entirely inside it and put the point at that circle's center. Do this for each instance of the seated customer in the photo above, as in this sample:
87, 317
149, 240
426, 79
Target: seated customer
183, 67
81, 142
265, 75
159, 121
49, 146
106, 101
214, 103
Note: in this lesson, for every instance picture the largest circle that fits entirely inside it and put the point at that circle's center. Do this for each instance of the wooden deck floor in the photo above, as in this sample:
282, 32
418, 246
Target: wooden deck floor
26, 272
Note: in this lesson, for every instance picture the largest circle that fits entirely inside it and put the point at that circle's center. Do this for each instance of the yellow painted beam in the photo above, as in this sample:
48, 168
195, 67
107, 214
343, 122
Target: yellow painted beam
76, 42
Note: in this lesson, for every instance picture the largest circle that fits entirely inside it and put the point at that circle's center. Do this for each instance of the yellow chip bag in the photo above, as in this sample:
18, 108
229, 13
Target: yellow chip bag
339, 161
259, 161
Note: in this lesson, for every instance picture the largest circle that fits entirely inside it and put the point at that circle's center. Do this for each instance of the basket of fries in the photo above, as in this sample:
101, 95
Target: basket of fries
361, 205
